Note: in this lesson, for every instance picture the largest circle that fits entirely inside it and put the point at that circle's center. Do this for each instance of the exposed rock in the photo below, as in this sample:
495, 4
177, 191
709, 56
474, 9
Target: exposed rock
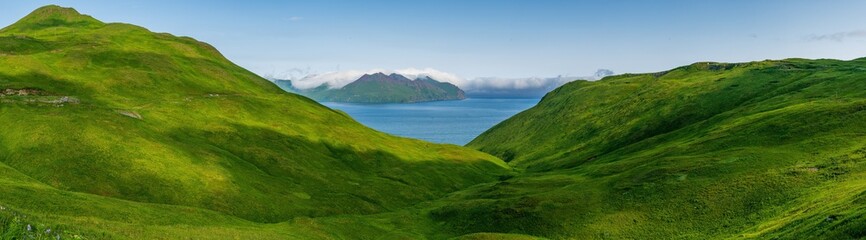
21, 92
65, 99
131, 114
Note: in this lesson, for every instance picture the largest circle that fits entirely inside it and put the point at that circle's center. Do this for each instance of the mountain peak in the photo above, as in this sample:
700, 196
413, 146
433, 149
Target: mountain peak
54, 16
388, 88
54, 9
382, 77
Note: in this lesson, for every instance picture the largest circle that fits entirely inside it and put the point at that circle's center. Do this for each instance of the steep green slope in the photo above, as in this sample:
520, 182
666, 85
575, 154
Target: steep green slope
109, 128
381, 88
710, 150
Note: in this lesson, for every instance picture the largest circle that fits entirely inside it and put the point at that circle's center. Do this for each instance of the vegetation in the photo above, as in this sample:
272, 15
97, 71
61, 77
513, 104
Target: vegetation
771, 149
14, 225
112, 131
126, 133
381, 88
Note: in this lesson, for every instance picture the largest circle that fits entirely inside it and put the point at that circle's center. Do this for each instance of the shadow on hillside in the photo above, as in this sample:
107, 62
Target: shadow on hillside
44, 83
275, 177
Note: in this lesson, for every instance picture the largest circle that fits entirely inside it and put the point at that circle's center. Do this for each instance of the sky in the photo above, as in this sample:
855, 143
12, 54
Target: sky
492, 39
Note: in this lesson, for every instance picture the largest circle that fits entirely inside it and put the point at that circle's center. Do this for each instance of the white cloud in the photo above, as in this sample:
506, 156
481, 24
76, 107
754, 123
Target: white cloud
332, 79
515, 87
495, 83
296, 18
343, 78
413, 73
482, 85
839, 36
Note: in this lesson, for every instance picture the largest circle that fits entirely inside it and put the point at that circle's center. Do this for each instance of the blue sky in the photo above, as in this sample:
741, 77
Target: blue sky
493, 38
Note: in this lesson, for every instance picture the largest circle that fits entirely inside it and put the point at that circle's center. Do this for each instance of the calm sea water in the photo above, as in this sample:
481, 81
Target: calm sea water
455, 122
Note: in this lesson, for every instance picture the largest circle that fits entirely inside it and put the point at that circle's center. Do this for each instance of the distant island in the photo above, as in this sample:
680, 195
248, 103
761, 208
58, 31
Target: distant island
381, 88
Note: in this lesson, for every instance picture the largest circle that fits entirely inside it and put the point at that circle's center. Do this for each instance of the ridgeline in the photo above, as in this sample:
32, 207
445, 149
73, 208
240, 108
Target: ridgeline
113, 131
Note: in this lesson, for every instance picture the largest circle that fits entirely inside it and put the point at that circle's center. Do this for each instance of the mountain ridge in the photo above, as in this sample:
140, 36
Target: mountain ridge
382, 88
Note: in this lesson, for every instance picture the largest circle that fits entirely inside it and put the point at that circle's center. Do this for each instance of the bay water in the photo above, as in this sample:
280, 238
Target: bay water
454, 122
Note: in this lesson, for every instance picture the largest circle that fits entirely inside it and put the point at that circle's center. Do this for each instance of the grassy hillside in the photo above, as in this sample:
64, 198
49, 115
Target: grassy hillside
381, 88
112, 130
771, 149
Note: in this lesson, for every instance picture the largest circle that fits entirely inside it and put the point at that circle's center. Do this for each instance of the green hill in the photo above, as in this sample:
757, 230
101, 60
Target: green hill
771, 149
110, 130
381, 88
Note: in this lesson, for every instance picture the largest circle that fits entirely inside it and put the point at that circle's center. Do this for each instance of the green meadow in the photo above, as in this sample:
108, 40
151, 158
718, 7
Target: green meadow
110, 131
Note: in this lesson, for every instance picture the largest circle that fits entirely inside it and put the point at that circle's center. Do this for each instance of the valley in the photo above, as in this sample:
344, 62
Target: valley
113, 131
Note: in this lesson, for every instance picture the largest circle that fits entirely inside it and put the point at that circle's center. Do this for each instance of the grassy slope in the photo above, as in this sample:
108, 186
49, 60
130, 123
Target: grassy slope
165, 137
762, 149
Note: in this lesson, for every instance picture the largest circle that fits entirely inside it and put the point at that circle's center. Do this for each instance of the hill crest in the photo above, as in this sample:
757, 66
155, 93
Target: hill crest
53, 16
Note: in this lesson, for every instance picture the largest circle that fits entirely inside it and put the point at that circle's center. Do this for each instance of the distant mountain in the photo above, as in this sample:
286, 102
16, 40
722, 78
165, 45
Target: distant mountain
285, 85
602, 73
381, 88
479, 87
